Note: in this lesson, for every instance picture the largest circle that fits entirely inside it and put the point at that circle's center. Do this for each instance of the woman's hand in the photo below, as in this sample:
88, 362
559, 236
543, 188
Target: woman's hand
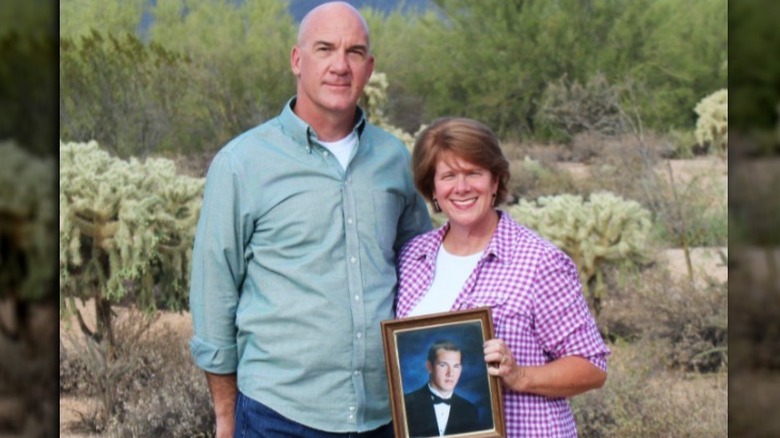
502, 364
563, 377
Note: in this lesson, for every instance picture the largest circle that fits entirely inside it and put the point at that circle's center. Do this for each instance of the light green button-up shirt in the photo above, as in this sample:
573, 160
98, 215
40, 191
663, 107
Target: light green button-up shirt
294, 268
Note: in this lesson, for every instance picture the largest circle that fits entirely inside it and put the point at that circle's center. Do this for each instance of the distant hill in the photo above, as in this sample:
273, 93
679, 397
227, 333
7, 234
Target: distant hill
299, 8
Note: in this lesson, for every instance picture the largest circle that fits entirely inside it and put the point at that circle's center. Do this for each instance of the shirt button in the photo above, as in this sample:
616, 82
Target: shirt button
357, 297
356, 372
352, 259
349, 220
324, 153
359, 335
352, 409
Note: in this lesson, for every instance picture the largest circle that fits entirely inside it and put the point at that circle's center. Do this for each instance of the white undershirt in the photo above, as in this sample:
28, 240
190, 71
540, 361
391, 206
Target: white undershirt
451, 274
442, 410
342, 149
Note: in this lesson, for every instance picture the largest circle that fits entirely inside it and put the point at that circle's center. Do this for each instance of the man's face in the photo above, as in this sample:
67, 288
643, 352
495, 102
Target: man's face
332, 63
445, 372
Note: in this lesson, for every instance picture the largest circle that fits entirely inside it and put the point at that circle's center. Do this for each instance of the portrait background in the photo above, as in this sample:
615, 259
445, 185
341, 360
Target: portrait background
473, 384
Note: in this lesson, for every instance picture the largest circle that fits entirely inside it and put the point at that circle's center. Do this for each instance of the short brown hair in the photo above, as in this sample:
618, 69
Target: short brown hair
467, 139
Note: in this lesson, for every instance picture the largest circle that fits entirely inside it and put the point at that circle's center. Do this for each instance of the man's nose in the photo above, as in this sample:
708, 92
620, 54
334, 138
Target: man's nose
340, 64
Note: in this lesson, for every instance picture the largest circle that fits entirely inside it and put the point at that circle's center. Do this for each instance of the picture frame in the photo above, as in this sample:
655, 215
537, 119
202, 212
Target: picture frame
408, 345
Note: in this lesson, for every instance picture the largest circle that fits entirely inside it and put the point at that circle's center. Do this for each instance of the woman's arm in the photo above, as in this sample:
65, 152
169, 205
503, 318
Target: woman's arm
563, 377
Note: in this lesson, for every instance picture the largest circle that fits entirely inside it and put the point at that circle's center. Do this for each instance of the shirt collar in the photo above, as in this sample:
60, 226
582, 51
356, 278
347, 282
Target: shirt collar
499, 246
302, 133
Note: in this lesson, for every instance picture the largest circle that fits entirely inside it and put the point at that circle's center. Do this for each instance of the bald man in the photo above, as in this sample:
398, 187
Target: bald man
294, 258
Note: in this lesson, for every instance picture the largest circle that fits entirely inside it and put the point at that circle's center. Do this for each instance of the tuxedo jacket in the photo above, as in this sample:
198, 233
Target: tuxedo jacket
421, 418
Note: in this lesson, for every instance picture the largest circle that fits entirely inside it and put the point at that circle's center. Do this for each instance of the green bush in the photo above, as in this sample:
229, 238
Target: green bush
690, 320
573, 108
133, 98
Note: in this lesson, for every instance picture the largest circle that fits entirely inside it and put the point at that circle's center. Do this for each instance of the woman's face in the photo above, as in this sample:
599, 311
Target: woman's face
464, 191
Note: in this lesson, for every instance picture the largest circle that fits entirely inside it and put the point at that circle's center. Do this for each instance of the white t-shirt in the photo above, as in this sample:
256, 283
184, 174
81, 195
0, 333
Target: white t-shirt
342, 149
451, 274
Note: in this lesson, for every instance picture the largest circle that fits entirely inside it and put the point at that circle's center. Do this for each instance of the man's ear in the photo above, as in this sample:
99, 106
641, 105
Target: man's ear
295, 60
429, 366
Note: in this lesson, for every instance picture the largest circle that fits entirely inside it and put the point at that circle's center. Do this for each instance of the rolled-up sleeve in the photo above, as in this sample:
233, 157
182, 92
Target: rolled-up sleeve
219, 266
564, 322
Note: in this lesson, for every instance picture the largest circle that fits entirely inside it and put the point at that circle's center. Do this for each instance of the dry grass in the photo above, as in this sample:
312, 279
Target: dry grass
642, 397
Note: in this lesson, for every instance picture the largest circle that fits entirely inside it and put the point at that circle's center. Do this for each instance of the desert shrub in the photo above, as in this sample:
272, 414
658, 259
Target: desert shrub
74, 374
96, 369
690, 320
642, 398
694, 222
597, 148
574, 108
531, 179
147, 387
683, 214
170, 397
712, 126
602, 230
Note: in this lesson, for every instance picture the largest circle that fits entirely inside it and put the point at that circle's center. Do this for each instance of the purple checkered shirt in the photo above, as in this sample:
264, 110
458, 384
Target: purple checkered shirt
537, 306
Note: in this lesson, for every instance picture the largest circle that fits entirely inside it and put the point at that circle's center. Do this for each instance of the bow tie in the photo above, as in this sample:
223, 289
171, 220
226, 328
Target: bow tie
436, 399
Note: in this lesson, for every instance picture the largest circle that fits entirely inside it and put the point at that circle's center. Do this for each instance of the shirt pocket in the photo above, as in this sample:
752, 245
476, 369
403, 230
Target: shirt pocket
387, 212
505, 308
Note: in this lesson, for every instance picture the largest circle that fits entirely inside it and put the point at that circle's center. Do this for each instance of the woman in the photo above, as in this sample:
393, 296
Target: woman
547, 345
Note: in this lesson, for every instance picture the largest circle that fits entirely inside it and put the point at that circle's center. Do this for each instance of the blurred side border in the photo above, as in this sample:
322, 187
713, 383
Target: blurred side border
29, 32
754, 217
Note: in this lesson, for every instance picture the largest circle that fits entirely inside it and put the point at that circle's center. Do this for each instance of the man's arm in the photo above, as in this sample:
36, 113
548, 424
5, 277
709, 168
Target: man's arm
223, 391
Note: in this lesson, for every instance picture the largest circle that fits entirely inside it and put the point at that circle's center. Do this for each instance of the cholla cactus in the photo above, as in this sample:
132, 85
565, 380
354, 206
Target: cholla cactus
712, 126
375, 100
124, 225
26, 219
602, 230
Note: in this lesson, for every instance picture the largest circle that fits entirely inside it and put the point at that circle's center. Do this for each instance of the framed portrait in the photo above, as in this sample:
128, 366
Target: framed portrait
437, 376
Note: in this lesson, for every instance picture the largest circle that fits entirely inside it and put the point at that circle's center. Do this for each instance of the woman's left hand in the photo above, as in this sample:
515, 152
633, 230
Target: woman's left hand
500, 361
563, 377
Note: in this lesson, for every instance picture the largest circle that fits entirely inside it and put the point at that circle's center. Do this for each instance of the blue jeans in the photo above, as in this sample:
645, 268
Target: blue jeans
256, 420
